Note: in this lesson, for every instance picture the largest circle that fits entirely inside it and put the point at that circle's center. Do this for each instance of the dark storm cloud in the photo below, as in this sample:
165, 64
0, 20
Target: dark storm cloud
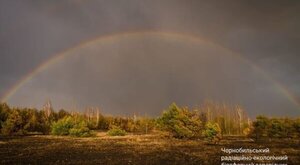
265, 32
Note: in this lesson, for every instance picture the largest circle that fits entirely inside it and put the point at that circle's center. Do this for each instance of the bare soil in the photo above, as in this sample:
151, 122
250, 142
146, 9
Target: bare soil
131, 149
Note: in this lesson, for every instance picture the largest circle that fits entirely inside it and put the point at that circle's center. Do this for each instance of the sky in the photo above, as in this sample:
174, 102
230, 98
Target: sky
144, 73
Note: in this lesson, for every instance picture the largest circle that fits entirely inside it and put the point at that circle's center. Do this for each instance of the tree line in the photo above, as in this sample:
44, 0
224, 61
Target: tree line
209, 120
264, 127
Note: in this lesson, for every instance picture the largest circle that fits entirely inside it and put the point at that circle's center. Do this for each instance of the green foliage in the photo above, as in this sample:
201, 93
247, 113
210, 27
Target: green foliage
116, 131
103, 123
43, 124
62, 127
14, 125
143, 125
21, 121
74, 126
180, 122
260, 127
265, 127
232, 119
4, 112
289, 131
276, 128
212, 132
80, 130
62, 113
139, 125
296, 126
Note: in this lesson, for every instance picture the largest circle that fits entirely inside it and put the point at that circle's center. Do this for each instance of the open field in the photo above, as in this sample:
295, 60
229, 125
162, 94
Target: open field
130, 149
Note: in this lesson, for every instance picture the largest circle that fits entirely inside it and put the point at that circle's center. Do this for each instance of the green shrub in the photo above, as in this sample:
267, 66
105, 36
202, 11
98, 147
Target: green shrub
296, 126
62, 113
103, 123
143, 125
212, 132
116, 131
260, 127
4, 112
265, 127
14, 125
289, 131
180, 122
73, 126
62, 127
80, 130
276, 128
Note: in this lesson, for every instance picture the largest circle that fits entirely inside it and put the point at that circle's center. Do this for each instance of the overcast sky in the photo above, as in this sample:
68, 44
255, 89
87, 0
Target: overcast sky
144, 74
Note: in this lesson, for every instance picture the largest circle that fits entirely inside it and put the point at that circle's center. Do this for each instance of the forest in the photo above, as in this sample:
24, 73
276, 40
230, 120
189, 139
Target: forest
179, 135
211, 121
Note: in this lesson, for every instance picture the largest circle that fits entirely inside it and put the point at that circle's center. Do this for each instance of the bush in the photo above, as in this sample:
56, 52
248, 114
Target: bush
104, 122
14, 125
62, 113
71, 126
212, 132
276, 128
180, 122
143, 125
4, 112
296, 126
36, 122
62, 127
81, 130
265, 127
116, 131
260, 127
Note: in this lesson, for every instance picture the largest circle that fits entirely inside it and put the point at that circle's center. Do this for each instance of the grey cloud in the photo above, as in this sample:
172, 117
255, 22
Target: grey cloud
264, 32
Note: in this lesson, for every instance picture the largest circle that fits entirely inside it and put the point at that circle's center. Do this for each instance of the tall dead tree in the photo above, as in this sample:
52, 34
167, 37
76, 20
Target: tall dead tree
240, 115
98, 113
47, 108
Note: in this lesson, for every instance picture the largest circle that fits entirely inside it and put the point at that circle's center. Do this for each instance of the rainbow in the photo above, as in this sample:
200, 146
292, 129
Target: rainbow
116, 36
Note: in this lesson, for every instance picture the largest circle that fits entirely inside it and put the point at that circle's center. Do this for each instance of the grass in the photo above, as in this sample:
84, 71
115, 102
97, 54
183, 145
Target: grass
129, 149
